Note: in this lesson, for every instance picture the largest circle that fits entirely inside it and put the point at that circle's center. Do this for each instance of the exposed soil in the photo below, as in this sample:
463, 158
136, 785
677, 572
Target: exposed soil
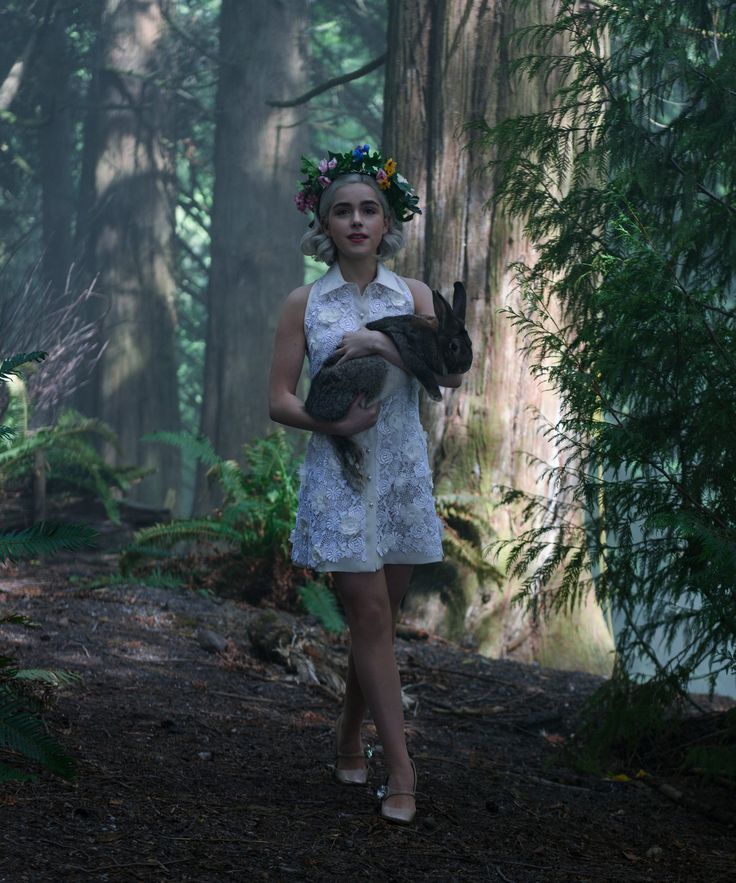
195, 765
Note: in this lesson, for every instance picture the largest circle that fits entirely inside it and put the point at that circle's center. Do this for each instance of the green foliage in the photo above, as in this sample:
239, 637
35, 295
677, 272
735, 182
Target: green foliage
20, 731
626, 186
259, 503
24, 734
320, 602
70, 459
618, 715
466, 525
10, 367
44, 538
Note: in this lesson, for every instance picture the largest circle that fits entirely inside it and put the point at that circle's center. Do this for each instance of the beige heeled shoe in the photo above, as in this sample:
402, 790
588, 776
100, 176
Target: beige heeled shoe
357, 776
396, 815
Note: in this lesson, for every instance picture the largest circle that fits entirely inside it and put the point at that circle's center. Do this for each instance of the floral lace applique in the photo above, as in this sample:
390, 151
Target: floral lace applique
332, 520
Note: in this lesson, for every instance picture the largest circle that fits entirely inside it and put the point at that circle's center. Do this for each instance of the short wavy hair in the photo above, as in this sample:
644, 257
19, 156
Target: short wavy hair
318, 244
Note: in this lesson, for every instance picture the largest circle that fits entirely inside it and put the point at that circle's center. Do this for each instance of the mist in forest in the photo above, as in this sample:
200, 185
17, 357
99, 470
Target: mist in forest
149, 158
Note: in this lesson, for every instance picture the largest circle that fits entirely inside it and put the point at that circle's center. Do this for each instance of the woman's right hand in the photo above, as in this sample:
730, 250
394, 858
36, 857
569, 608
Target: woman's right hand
357, 418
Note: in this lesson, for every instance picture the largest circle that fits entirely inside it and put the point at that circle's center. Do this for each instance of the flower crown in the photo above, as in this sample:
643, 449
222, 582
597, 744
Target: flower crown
401, 198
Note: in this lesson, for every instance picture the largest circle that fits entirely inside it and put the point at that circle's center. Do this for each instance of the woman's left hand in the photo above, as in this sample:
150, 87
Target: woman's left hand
354, 344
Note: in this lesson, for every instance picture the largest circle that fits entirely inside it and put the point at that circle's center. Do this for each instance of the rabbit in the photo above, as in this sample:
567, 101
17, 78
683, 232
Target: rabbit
428, 345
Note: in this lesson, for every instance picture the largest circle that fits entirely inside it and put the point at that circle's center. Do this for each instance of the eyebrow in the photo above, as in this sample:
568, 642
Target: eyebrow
362, 202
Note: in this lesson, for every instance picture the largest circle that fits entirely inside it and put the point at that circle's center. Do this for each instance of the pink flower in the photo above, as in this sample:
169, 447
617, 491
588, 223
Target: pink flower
324, 165
383, 180
324, 180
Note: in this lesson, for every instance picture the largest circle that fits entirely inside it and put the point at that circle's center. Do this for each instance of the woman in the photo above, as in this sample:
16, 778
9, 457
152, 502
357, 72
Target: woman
370, 539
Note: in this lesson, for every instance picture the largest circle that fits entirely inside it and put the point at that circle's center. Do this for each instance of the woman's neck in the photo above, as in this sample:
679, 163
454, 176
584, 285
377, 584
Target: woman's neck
362, 273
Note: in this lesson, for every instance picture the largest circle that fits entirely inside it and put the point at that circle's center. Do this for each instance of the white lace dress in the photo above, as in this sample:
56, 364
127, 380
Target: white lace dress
393, 520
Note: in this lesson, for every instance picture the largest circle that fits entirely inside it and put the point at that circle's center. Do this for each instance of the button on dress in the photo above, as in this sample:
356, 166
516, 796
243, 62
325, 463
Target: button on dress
392, 520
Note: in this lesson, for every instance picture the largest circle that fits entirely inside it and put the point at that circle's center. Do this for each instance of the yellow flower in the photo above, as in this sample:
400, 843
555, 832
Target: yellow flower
383, 180
390, 167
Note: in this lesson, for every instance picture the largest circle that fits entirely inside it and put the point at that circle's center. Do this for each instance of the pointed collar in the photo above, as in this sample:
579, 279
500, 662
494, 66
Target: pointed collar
333, 278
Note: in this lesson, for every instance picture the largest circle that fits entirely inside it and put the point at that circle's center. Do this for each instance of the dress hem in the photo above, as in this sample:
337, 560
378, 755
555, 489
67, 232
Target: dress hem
352, 565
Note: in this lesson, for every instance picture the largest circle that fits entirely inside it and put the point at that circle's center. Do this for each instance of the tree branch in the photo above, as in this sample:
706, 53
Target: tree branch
330, 84
11, 84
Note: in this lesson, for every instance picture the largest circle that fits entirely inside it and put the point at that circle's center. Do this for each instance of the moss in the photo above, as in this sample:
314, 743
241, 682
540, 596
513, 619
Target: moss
450, 583
578, 640
489, 634
469, 460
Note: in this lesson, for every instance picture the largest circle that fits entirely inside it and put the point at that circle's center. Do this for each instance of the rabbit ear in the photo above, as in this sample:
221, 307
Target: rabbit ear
441, 308
459, 301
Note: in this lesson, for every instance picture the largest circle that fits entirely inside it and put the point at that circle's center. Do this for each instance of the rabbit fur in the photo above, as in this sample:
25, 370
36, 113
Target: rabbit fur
428, 345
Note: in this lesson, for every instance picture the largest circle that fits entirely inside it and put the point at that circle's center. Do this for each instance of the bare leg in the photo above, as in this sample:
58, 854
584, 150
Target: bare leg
371, 618
397, 577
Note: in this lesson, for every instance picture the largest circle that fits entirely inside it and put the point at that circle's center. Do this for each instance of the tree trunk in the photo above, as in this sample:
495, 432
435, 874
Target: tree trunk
255, 226
55, 154
130, 228
447, 65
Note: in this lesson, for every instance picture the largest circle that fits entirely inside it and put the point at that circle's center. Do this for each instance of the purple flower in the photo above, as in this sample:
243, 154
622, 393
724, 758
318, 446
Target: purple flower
325, 165
324, 180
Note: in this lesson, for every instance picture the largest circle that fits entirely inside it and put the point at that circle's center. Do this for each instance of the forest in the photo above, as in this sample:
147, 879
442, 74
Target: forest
169, 678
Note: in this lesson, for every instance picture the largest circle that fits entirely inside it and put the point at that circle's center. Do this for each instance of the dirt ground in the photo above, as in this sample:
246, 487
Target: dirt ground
196, 765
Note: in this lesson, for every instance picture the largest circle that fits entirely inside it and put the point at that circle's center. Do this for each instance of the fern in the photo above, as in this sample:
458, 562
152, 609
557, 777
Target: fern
44, 538
258, 509
72, 461
54, 677
25, 735
320, 602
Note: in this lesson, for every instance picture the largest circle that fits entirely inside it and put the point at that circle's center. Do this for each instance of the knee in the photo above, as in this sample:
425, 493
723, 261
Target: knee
370, 618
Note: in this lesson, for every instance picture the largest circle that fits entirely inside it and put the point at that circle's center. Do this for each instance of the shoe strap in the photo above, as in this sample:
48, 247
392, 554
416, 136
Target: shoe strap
392, 793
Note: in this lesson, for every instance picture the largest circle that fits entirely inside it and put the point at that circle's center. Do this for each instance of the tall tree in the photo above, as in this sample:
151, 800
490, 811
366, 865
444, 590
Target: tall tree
56, 154
640, 251
449, 63
254, 261
129, 227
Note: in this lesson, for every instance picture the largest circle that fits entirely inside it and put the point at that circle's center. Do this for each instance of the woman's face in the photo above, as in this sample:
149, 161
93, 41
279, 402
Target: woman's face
356, 222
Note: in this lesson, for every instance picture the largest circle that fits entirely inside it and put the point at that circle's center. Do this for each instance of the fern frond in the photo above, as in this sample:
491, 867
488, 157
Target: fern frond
18, 619
44, 538
24, 734
165, 535
196, 447
320, 602
56, 677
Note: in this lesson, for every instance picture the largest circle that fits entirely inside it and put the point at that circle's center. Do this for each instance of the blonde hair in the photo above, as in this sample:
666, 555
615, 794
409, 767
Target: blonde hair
318, 244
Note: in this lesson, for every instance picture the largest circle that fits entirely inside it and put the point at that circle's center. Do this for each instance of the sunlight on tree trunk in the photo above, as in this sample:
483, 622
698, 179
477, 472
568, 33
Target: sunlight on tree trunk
130, 233
448, 64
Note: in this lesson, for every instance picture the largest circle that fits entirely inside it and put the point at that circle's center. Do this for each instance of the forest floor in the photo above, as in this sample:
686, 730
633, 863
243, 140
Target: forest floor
196, 765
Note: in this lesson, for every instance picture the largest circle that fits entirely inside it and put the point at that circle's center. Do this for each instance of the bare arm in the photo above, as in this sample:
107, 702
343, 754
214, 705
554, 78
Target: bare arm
423, 304
288, 358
